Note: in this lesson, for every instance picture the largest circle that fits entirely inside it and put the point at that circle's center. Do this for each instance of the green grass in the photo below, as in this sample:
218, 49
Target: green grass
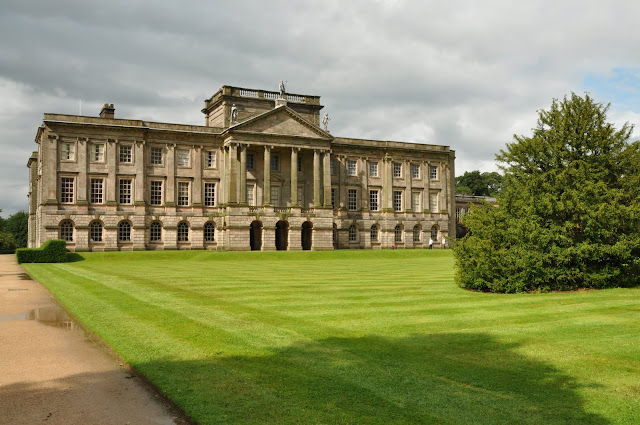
356, 337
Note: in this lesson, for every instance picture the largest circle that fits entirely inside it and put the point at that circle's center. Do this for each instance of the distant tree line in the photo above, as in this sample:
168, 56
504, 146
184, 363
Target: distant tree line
14, 231
479, 184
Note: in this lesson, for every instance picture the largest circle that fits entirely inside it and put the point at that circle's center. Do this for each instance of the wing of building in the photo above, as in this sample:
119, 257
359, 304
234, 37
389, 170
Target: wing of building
261, 174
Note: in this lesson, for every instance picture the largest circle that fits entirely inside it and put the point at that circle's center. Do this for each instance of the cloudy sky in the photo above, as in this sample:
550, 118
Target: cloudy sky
467, 74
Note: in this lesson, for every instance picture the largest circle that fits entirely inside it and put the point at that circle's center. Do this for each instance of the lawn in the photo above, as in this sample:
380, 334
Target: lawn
355, 337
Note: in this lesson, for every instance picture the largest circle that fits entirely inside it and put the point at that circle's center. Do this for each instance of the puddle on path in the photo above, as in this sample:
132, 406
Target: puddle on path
52, 316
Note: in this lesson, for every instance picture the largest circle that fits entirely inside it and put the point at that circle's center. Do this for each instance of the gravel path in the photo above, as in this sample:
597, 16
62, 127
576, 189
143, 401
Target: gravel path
51, 373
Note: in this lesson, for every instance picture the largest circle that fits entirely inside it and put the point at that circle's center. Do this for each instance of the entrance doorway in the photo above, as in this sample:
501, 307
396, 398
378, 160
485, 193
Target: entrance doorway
335, 236
255, 237
282, 235
306, 235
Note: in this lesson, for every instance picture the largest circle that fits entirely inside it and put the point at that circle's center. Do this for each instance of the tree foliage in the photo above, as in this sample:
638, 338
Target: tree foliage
18, 225
568, 216
479, 184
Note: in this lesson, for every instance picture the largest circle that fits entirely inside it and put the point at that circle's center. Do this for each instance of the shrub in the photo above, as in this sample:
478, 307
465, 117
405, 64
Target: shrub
53, 251
7, 242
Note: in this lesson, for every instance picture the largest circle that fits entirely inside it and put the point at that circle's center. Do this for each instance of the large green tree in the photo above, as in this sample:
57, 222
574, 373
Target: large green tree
568, 216
479, 184
18, 225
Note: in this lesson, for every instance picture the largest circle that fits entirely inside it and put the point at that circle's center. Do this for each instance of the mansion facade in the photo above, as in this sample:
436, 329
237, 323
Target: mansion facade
261, 174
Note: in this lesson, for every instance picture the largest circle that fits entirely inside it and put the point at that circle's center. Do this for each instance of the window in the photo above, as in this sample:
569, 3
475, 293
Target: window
353, 233
155, 232
351, 168
210, 159
124, 231
66, 230
251, 199
183, 194
97, 191
66, 190
184, 158
183, 232
209, 194
67, 151
434, 233
300, 196
373, 200
433, 202
275, 162
373, 169
458, 213
415, 171
251, 161
416, 233
300, 163
415, 201
374, 233
433, 172
156, 156
275, 196
397, 200
125, 191
155, 197
397, 169
397, 234
332, 166
126, 153
97, 152
333, 198
352, 199
95, 232
209, 232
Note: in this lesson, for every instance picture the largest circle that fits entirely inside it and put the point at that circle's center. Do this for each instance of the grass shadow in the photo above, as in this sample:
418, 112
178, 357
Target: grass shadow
451, 378
74, 257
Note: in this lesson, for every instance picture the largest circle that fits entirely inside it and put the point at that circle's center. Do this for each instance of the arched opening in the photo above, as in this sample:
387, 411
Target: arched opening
335, 236
66, 230
255, 235
183, 231
306, 235
282, 235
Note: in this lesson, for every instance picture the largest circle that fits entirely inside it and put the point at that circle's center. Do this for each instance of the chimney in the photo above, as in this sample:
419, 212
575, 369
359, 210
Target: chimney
108, 111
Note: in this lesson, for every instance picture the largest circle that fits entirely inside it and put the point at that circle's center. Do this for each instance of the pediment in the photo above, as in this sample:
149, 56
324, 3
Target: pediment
281, 121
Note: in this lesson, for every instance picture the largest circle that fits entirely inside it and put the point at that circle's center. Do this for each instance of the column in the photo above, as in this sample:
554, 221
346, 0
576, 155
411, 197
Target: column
139, 167
387, 184
408, 175
316, 178
342, 187
242, 181
169, 190
233, 173
326, 174
81, 194
364, 185
197, 188
111, 153
266, 184
294, 177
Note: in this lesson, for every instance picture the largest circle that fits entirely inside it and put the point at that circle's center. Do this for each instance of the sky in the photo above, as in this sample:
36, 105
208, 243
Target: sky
460, 73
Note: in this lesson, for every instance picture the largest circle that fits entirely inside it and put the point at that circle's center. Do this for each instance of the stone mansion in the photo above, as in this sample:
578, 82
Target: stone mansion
261, 174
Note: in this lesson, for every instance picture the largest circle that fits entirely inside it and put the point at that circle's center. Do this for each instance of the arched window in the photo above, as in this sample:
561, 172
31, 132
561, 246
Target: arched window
434, 233
183, 232
416, 233
155, 232
66, 230
353, 233
374, 233
95, 232
124, 231
209, 232
397, 232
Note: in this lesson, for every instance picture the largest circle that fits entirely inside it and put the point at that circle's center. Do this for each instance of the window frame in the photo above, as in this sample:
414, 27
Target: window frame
275, 163
65, 196
398, 234
155, 232
92, 232
70, 153
181, 156
415, 196
374, 233
433, 172
211, 159
153, 159
353, 233
66, 230
121, 193
155, 196
374, 204
373, 169
352, 202
417, 233
209, 198
352, 167
94, 193
209, 232
124, 229
121, 149
251, 161
415, 171
181, 199
181, 232
397, 170
397, 200
95, 150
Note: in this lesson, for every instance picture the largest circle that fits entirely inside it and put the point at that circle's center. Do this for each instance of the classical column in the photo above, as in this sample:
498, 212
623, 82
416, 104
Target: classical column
294, 177
266, 184
326, 174
197, 188
233, 173
140, 185
388, 184
81, 195
169, 190
316, 178
408, 174
242, 181
111, 152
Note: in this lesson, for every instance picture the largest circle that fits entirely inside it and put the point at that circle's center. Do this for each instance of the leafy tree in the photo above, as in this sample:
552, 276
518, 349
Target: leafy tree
479, 184
18, 225
7, 242
569, 214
